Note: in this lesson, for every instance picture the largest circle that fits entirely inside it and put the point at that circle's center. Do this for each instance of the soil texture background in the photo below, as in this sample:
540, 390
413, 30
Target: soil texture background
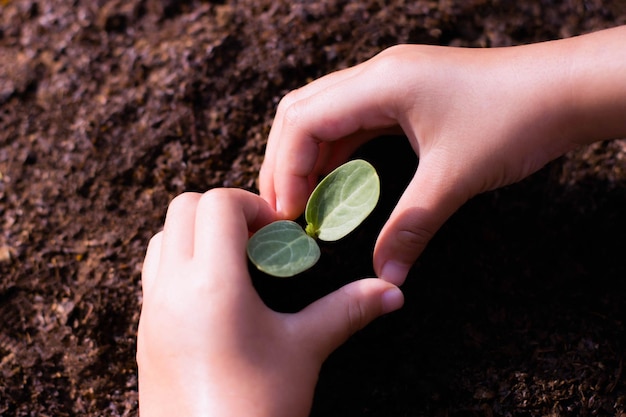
110, 108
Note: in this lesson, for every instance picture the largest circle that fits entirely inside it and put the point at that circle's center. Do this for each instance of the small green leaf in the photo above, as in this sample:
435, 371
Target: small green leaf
342, 200
282, 249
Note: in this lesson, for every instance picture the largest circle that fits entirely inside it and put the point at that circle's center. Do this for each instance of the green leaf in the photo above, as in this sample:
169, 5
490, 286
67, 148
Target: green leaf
282, 249
342, 200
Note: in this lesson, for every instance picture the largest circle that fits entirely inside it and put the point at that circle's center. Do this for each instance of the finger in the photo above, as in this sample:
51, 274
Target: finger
353, 105
331, 155
266, 175
330, 321
151, 261
178, 238
332, 114
431, 197
224, 218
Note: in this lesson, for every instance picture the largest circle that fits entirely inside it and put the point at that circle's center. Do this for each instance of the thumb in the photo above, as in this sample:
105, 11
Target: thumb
331, 320
430, 199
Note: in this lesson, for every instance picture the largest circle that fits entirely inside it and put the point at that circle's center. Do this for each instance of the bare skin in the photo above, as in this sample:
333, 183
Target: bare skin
207, 344
478, 119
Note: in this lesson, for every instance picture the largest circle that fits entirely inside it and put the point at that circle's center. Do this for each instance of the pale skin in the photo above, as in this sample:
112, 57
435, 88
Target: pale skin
207, 344
478, 119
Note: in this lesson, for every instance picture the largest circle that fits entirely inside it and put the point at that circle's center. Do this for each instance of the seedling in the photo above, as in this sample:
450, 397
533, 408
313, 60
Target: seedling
339, 203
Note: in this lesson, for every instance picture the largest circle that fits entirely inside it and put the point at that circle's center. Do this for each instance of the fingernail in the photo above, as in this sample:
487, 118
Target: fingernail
394, 272
392, 300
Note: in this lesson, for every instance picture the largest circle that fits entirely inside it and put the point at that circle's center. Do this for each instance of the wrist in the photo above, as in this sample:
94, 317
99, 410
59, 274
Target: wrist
161, 401
196, 396
597, 81
571, 92
582, 86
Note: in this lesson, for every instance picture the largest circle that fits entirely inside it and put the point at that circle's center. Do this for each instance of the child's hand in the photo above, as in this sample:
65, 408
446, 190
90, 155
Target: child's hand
478, 119
207, 345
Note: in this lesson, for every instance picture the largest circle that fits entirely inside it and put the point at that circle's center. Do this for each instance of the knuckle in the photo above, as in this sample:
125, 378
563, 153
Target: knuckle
414, 236
288, 99
292, 114
155, 240
391, 59
356, 312
183, 200
221, 196
287, 103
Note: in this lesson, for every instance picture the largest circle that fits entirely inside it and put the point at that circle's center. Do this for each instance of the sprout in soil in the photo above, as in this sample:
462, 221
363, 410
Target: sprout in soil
339, 203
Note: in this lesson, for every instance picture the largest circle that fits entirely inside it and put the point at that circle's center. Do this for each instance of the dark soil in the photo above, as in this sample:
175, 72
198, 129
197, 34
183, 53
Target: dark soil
108, 109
